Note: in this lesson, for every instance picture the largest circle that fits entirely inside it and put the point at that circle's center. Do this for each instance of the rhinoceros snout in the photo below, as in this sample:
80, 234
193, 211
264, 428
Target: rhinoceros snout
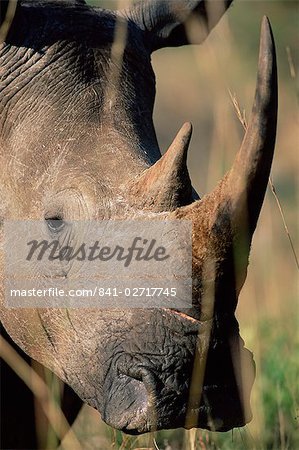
129, 403
158, 383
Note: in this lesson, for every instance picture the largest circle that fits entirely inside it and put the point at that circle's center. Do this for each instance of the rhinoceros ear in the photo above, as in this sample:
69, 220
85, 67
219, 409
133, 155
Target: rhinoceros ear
171, 23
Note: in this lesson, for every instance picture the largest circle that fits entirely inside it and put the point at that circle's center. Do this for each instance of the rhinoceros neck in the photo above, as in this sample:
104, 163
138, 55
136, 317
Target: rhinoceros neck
68, 86
61, 74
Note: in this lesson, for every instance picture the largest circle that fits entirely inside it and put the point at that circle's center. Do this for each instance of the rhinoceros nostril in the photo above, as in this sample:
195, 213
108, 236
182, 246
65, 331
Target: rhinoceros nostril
129, 400
146, 376
150, 381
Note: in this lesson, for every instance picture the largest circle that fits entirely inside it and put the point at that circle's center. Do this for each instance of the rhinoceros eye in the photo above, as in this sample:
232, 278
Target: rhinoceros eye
55, 224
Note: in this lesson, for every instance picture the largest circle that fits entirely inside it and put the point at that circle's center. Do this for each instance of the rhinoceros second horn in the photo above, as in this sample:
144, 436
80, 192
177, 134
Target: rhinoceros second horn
166, 185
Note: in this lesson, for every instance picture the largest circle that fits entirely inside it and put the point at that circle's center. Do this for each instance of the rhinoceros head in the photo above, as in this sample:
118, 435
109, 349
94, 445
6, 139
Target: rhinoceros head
77, 143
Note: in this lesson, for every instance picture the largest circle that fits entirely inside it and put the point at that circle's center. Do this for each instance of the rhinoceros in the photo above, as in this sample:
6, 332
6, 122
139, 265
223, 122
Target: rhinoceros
78, 143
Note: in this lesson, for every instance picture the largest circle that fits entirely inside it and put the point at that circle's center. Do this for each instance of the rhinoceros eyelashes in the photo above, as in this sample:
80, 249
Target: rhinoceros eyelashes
55, 224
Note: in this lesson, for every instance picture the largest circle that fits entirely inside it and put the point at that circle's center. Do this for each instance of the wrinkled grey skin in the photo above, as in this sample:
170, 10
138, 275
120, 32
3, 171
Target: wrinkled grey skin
76, 128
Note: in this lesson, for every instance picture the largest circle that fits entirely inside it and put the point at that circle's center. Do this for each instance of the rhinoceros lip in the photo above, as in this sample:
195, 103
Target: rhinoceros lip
141, 416
136, 406
133, 416
191, 319
137, 398
183, 315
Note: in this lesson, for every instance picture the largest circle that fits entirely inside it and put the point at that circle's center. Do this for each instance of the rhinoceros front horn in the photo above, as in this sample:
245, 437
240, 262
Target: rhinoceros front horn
225, 219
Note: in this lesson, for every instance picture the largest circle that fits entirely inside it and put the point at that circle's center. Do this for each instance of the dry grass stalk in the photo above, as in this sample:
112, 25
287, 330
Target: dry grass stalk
241, 115
242, 118
279, 205
42, 393
291, 63
4, 29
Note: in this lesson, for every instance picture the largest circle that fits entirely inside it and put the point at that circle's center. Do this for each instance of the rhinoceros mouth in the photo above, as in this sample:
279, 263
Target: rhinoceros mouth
128, 406
138, 411
143, 393
186, 316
